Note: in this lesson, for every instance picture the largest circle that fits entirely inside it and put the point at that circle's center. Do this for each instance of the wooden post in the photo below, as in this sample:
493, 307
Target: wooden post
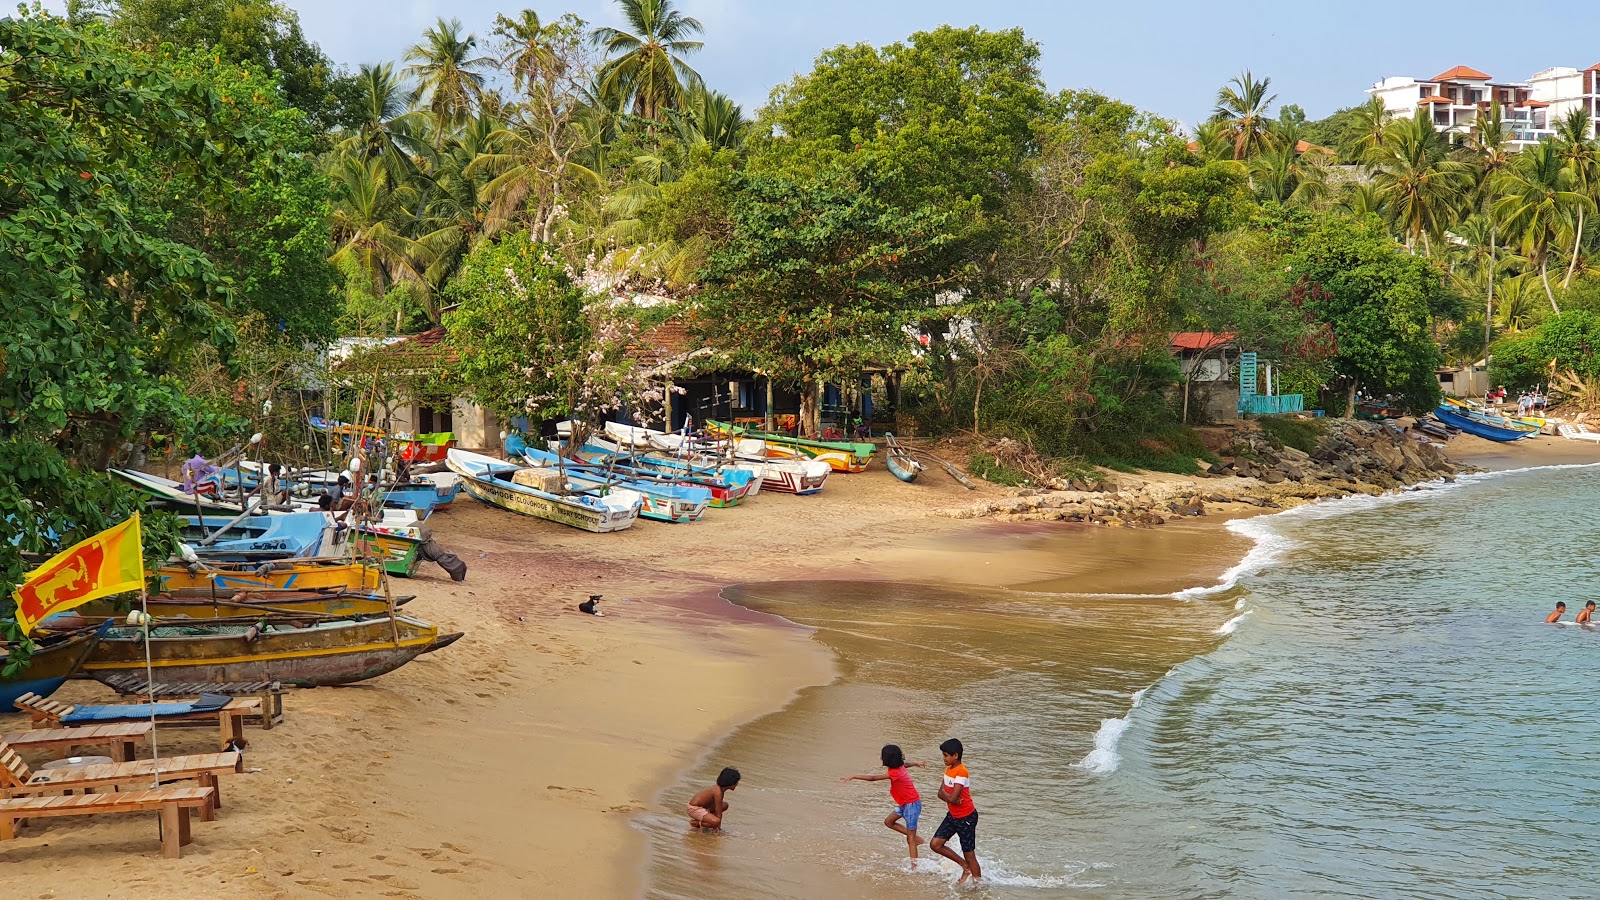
767, 423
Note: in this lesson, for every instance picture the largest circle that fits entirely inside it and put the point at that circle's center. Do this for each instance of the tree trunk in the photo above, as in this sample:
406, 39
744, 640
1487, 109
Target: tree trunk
1577, 242
1544, 275
808, 408
977, 398
1186, 383
1350, 400
1488, 310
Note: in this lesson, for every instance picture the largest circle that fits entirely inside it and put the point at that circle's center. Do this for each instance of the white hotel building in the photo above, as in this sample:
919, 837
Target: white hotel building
1455, 99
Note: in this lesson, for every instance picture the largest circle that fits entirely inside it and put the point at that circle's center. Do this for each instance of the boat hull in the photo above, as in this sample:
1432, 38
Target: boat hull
49, 668
904, 469
724, 493
488, 489
399, 554
299, 576
1481, 429
307, 657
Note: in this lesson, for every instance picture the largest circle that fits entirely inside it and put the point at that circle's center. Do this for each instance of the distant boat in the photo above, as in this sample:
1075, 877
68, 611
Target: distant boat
665, 500
172, 493
900, 463
55, 658
1465, 420
730, 485
542, 494
785, 471
302, 651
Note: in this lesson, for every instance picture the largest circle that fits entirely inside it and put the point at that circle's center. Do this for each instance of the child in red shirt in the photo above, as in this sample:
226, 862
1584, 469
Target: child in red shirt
962, 819
907, 802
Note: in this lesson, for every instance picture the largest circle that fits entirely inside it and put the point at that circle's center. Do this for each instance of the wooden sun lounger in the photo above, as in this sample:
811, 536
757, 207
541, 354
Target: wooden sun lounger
270, 692
173, 804
17, 780
119, 738
229, 719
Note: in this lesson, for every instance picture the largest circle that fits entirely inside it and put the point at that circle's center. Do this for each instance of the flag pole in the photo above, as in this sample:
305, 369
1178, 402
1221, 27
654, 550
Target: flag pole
150, 687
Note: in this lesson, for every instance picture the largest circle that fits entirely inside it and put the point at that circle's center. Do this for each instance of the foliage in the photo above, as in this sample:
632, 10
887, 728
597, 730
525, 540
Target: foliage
990, 469
1283, 431
1567, 342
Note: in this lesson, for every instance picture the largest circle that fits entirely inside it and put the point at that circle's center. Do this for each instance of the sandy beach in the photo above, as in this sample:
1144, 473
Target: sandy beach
515, 762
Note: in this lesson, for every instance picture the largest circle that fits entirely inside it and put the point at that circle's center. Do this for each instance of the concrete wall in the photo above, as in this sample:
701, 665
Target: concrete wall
476, 428
1211, 401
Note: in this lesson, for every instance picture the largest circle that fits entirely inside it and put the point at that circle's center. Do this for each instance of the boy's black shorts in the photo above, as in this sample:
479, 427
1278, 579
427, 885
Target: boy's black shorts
966, 827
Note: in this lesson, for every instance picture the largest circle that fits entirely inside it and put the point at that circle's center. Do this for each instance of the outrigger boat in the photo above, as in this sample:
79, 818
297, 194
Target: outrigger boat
1480, 424
195, 605
172, 494
784, 474
543, 494
729, 485
665, 499
900, 463
279, 575
839, 455
255, 538
305, 651
55, 658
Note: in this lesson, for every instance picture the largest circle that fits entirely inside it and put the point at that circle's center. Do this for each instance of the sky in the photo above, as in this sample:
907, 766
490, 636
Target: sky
1165, 56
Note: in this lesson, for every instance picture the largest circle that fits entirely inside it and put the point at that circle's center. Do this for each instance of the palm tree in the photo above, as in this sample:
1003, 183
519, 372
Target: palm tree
369, 222
646, 67
1582, 157
1360, 198
385, 132
1242, 109
531, 47
1490, 144
445, 69
1281, 175
1538, 194
1369, 123
1423, 187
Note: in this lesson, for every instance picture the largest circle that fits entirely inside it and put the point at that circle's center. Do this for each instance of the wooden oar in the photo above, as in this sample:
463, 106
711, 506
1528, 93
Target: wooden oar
950, 468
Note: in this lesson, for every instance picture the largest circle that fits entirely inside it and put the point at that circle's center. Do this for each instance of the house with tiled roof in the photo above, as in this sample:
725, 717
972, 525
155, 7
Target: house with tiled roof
1455, 99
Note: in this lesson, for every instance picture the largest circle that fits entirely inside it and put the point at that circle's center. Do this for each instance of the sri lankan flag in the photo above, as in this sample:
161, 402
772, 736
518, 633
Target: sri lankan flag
111, 562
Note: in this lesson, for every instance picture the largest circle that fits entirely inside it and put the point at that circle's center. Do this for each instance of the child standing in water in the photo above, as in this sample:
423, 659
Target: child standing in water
907, 802
962, 819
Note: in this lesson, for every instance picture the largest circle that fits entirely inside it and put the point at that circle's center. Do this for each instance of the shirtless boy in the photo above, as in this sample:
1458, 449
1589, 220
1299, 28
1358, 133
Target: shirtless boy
1585, 613
707, 808
1556, 616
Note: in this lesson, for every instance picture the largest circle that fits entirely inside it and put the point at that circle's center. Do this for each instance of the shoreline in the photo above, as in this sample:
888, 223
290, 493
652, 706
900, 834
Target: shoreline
545, 734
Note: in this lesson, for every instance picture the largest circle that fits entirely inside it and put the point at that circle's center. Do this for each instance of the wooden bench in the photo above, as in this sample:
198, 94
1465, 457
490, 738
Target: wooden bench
17, 780
229, 718
173, 804
119, 738
270, 692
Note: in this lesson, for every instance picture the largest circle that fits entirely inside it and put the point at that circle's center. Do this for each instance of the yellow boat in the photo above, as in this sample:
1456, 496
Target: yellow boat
287, 575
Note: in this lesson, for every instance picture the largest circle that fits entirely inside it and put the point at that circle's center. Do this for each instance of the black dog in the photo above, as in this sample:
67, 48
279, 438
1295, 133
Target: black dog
591, 605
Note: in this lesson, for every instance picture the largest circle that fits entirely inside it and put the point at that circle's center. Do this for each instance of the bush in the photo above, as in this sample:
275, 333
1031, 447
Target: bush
1301, 434
992, 470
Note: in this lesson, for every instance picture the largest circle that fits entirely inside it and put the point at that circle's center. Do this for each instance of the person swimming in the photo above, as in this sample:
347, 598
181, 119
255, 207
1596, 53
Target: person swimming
1583, 614
1555, 617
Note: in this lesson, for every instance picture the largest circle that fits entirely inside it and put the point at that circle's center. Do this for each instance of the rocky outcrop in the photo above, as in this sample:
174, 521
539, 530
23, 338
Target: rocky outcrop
1351, 457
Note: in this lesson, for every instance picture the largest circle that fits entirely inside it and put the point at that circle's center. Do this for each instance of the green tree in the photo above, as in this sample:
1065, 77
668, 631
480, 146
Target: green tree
1242, 109
1379, 302
1581, 153
1538, 194
449, 82
1490, 143
646, 68
1422, 186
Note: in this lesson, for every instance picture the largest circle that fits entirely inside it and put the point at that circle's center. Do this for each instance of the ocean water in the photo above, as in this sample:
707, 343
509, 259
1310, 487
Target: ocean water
1368, 705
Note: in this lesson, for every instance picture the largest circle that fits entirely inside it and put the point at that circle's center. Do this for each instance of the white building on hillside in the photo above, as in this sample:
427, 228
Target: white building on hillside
1455, 99
1566, 89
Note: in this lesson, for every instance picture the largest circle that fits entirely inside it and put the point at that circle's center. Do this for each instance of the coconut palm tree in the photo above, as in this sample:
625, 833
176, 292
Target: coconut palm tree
1582, 157
533, 48
1369, 123
448, 80
1242, 109
1423, 187
645, 68
1538, 195
1360, 198
369, 222
1490, 145
386, 130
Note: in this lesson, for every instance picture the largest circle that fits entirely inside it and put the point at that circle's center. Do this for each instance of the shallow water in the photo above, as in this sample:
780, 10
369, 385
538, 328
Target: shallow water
1376, 710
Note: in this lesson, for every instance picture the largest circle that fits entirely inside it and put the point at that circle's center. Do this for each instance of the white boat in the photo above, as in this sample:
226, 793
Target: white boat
542, 493
779, 471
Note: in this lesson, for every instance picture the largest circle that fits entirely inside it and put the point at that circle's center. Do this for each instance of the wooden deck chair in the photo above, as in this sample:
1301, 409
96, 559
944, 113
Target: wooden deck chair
229, 715
173, 804
17, 780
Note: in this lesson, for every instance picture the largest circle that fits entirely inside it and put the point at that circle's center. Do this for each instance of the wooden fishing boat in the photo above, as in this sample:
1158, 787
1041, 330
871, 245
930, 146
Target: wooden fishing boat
255, 538
780, 469
425, 448
729, 485
55, 658
170, 493
398, 548
1476, 425
195, 605
665, 499
302, 651
327, 426
841, 456
539, 493
900, 463
286, 575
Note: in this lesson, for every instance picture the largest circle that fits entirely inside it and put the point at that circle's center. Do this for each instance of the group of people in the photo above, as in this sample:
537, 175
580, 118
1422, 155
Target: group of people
1582, 618
709, 808
1528, 402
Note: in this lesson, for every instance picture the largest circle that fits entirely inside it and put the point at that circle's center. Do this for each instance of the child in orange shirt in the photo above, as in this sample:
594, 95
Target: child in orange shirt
907, 802
962, 818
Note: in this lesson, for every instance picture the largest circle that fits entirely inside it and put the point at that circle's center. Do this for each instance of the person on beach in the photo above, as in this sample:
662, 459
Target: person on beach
708, 807
1555, 617
907, 802
962, 817
1583, 614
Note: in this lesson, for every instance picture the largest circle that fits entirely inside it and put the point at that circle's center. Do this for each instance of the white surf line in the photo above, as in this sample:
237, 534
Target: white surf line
1103, 759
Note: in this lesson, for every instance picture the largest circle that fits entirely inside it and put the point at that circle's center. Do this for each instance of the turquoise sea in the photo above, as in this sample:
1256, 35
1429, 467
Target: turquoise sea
1369, 705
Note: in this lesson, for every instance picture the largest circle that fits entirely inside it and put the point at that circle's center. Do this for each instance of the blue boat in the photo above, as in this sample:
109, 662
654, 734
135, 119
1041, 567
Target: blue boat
1477, 426
256, 538
729, 485
54, 660
665, 498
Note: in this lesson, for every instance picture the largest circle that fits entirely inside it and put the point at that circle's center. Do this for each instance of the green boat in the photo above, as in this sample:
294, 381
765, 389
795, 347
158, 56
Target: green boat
841, 456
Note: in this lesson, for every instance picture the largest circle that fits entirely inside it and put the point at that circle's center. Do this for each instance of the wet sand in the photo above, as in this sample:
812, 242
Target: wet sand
517, 761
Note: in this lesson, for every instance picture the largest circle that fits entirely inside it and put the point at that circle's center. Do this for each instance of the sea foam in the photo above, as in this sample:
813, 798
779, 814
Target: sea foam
1103, 759
1229, 626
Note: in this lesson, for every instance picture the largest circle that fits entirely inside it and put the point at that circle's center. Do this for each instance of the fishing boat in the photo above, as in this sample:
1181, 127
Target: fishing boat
255, 538
281, 575
397, 547
305, 651
784, 473
194, 605
55, 658
839, 455
1477, 424
330, 426
729, 485
665, 499
543, 494
171, 493
425, 448
900, 463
